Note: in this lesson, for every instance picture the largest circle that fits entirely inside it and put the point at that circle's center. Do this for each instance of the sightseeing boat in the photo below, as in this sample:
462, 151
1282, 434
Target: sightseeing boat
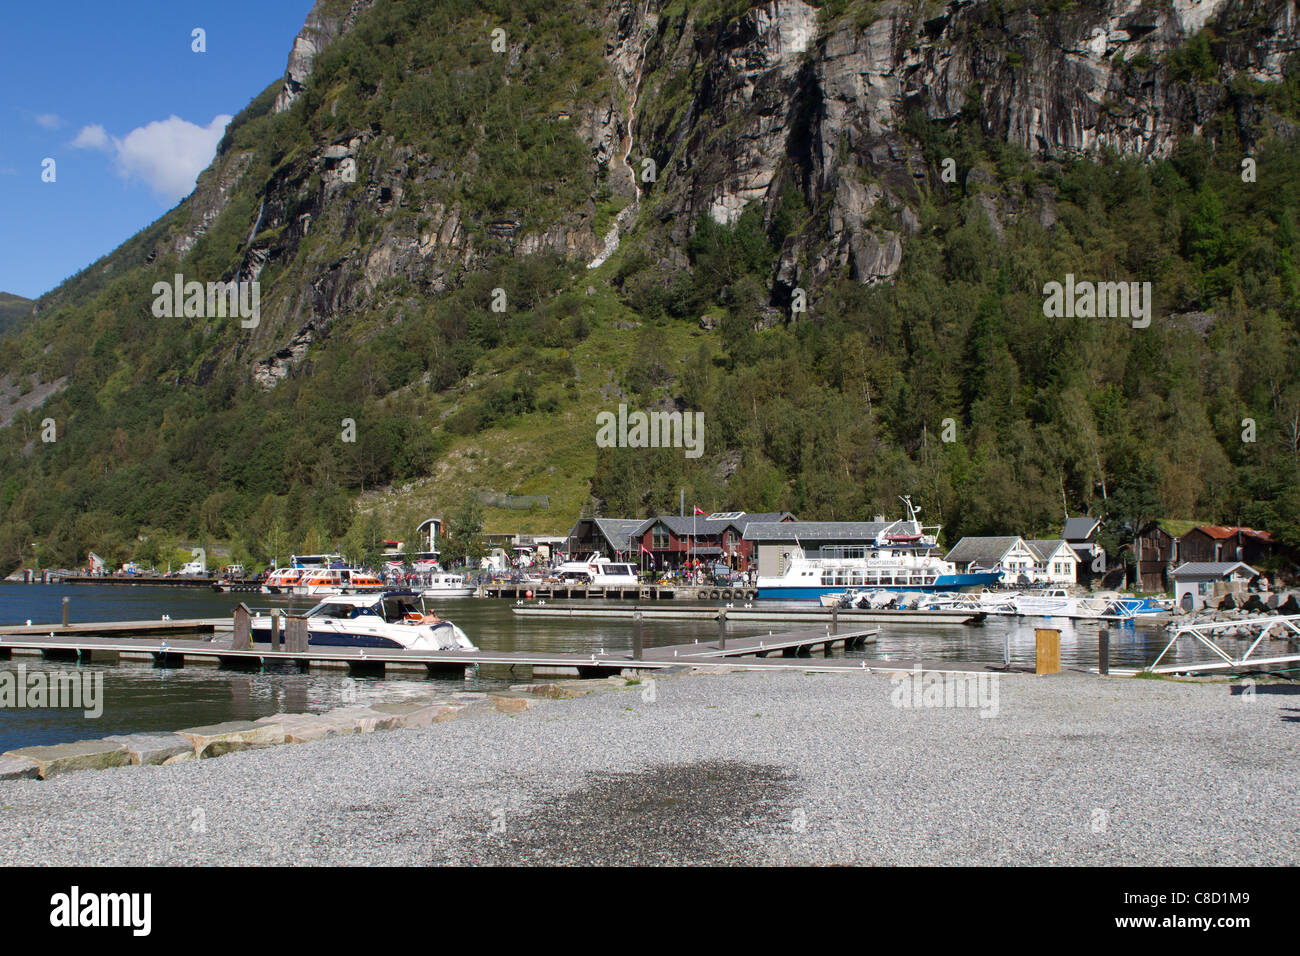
903, 557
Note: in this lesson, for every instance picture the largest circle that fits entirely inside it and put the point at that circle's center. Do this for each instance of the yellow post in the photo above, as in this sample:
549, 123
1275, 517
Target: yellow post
1048, 646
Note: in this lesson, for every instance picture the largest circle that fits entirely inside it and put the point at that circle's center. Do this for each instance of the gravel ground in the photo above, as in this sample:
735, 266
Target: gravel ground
724, 768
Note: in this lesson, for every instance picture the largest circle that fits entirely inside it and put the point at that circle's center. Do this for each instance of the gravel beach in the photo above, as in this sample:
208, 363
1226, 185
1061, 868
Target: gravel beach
777, 767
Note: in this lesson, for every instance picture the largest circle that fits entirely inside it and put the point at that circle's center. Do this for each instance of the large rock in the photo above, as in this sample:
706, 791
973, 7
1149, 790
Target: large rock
81, 755
18, 768
422, 713
218, 739
512, 705
303, 728
146, 749
552, 690
365, 719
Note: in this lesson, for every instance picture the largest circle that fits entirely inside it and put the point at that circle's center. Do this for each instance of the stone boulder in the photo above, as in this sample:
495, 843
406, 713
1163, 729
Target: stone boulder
82, 755
217, 739
146, 749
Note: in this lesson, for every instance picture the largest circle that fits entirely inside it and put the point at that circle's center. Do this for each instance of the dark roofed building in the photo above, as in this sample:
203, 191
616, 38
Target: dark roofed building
607, 536
1008, 553
672, 541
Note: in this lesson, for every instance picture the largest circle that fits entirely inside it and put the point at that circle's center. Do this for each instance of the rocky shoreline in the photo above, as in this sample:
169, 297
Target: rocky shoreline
215, 740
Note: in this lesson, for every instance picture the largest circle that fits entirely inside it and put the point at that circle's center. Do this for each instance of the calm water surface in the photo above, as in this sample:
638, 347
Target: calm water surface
140, 697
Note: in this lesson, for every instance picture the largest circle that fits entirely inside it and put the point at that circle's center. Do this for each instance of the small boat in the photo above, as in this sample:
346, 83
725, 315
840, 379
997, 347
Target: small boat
282, 580
390, 619
444, 585
599, 571
336, 581
1056, 602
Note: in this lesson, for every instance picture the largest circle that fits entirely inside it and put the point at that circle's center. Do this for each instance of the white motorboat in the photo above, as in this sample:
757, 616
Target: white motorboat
1056, 602
388, 619
599, 571
446, 585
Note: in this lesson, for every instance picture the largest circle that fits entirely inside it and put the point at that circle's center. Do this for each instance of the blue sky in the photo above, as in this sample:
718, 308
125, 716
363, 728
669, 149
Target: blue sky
109, 78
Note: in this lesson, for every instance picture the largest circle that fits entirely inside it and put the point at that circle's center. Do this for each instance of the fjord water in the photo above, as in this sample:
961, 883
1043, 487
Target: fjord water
140, 697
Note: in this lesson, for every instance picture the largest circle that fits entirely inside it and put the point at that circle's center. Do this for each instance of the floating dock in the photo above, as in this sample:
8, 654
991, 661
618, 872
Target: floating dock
757, 614
76, 642
165, 627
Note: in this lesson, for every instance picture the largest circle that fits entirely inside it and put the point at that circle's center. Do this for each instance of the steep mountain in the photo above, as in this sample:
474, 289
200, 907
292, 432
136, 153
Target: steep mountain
474, 225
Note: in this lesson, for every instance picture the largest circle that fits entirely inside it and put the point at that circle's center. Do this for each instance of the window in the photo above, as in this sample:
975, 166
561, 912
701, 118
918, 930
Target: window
661, 540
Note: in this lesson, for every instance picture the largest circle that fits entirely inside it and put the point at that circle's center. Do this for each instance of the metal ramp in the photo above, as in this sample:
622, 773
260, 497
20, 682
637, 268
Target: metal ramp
1205, 634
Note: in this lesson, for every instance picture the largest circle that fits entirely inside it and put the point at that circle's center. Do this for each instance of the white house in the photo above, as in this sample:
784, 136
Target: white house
1056, 562
1194, 581
1011, 555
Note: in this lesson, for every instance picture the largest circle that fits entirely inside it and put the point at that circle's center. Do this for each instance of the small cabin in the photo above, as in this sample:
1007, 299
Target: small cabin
1198, 583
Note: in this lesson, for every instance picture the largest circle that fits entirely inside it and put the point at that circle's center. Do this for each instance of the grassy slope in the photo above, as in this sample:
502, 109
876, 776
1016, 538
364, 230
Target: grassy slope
537, 454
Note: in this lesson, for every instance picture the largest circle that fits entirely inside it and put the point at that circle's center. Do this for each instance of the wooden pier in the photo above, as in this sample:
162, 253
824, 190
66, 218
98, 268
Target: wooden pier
84, 644
164, 627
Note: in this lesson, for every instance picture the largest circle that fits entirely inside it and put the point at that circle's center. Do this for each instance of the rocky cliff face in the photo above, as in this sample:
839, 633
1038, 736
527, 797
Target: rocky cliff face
734, 111
783, 96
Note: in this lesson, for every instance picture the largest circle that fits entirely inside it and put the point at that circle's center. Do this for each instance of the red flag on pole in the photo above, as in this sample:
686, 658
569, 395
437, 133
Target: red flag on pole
699, 512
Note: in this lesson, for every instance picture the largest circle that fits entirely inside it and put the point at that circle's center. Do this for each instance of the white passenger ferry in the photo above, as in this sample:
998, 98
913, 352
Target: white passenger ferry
902, 558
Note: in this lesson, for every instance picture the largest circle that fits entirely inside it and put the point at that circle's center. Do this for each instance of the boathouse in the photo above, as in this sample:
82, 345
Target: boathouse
1211, 543
1158, 552
1197, 583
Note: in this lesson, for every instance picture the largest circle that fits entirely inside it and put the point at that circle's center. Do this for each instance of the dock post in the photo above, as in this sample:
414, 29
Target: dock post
835, 620
295, 634
1103, 652
636, 635
66, 602
275, 630
243, 638
1048, 647
722, 629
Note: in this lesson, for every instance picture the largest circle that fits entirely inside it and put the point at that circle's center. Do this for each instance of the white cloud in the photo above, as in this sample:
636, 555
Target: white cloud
91, 137
49, 121
167, 154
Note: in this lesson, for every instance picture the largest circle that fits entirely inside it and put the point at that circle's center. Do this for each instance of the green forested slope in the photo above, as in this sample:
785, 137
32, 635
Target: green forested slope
828, 414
